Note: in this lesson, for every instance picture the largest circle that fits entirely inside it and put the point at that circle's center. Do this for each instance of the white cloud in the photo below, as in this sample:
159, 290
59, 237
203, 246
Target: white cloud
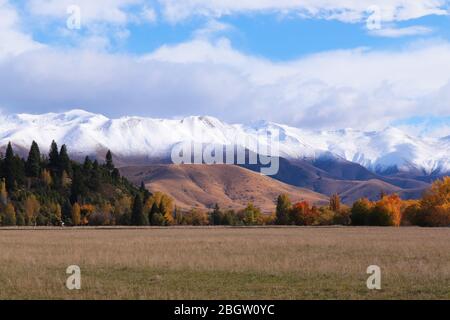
212, 28
12, 40
149, 14
392, 32
349, 88
343, 10
358, 88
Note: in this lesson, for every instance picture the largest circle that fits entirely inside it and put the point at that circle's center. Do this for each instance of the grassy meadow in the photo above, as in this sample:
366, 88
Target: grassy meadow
225, 263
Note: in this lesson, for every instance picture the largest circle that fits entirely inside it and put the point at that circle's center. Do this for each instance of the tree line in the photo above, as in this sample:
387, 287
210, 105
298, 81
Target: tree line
431, 210
54, 190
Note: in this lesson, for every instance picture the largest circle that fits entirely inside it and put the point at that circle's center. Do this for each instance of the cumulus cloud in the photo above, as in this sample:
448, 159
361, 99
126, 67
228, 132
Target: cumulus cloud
13, 40
342, 10
358, 88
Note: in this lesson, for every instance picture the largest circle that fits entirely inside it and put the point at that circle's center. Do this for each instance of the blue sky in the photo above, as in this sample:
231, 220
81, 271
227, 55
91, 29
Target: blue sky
322, 64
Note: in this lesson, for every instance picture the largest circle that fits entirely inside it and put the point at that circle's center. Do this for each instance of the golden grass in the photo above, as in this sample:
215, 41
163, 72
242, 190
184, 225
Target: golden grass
226, 263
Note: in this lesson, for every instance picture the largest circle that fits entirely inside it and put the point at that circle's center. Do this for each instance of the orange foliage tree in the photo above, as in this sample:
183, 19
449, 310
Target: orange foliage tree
303, 215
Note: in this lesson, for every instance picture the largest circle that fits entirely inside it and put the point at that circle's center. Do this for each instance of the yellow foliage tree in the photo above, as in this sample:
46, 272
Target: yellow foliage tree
9, 218
31, 207
3, 193
165, 204
435, 205
76, 214
46, 177
393, 205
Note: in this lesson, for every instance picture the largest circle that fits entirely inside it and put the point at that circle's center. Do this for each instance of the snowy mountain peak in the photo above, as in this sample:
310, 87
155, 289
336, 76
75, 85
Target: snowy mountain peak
86, 133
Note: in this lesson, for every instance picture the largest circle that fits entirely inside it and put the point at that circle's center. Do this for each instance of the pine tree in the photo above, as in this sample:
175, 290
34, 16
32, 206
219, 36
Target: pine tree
33, 165
153, 211
78, 188
95, 179
64, 161
53, 156
87, 165
137, 214
66, 212
109, 161
145, 193
115, 175
216, 215
10, 176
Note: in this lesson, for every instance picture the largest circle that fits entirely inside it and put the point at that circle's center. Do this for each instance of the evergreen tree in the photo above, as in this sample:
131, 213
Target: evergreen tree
145, 193
33, 165
64, 161
216, 216
53, 156
137, 214
66, 212
115, 175
95, 179
109, 164
78, 188
10, 169
153, 211
87, 165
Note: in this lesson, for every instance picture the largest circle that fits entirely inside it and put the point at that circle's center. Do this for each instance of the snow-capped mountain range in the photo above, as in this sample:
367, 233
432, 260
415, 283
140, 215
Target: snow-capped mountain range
86, 133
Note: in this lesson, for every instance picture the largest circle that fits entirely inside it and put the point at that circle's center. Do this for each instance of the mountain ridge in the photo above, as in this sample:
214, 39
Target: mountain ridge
85, 133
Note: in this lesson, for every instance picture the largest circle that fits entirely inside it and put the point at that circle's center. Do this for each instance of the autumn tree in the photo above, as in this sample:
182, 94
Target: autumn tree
9, 215
31, 207
335, 202
76, 214
435, 204
251, 215
46, 178
3, 193
303, 215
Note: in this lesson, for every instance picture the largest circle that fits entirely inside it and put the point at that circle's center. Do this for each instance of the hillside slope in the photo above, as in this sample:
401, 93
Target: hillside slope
230, 186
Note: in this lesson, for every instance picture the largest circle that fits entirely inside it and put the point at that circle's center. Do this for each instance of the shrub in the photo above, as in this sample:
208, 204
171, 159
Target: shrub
360, 212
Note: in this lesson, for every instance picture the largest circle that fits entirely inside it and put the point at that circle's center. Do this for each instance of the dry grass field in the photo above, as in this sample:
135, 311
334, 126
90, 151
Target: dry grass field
226, 263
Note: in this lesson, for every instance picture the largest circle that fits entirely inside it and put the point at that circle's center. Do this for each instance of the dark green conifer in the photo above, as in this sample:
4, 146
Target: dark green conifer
53, 156
33, 165
64, 161
137, 215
